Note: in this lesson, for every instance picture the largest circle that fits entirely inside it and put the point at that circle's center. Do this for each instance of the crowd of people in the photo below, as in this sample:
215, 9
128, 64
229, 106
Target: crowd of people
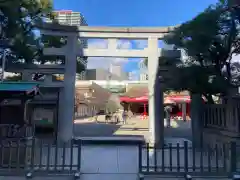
121, 116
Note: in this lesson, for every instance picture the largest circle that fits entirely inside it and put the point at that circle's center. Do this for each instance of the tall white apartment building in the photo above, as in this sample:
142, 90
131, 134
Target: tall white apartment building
68, 17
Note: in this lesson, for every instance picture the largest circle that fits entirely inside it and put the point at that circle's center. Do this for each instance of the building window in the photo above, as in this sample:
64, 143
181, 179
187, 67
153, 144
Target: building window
68, 18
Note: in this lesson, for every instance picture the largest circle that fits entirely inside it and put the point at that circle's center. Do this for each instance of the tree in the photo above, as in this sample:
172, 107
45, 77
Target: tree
13, 78
19, 19
209, 40
113, 104
209, 46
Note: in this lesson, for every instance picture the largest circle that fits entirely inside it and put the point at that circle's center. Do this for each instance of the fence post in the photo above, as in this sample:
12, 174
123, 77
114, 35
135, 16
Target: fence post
32, 153
29, 173
140, 148
233, 157
79, 147
185, 156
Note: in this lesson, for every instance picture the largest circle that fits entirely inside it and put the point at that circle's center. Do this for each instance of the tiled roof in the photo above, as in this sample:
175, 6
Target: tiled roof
97, 94
27, 87
139, 91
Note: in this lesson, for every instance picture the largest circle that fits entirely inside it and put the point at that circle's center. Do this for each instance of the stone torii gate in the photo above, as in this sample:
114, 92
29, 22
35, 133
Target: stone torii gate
112, 34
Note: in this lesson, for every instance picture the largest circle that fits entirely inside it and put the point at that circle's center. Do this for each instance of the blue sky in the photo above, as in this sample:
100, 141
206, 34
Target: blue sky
135, 13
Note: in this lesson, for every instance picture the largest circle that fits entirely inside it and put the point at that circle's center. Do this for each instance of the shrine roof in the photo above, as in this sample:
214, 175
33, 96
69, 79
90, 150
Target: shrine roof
26, 87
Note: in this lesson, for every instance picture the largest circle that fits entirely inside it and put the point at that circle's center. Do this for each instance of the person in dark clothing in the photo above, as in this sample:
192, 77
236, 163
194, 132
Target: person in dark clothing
168, 110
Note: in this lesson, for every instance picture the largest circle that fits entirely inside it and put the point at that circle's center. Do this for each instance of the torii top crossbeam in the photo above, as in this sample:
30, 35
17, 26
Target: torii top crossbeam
105, 32
67, 28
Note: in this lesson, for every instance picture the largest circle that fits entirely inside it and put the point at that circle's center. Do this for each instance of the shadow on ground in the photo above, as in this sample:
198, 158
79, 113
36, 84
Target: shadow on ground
135, 127
95, 129
182, 131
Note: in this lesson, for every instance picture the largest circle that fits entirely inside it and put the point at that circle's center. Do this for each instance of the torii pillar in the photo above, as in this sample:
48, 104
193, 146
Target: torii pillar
156, 109
67, 93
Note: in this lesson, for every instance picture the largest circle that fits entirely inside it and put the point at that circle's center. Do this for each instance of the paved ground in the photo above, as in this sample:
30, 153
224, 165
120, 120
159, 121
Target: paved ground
135, 126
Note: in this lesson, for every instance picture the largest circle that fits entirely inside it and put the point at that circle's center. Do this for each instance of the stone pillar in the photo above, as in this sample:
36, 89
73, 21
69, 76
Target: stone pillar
26, 76
156, 117
48, 78
67, 94
60, 112
184, 111
112, 44
196, 121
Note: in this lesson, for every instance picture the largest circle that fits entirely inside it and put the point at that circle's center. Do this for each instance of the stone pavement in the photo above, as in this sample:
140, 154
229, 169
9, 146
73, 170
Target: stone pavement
89, 128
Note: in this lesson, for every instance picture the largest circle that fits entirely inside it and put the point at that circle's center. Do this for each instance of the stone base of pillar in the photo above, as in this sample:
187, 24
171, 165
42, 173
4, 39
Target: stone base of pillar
65, 122
157, 140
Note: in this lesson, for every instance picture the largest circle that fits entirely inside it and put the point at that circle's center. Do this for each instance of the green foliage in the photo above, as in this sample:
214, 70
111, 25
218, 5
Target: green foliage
13, 78
194, 36
18, 18
112, 106
209, 40
202, 82
80, 65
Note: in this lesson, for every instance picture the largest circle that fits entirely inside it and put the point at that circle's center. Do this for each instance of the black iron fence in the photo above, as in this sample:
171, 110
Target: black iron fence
18, 156
16, 131
221, 160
